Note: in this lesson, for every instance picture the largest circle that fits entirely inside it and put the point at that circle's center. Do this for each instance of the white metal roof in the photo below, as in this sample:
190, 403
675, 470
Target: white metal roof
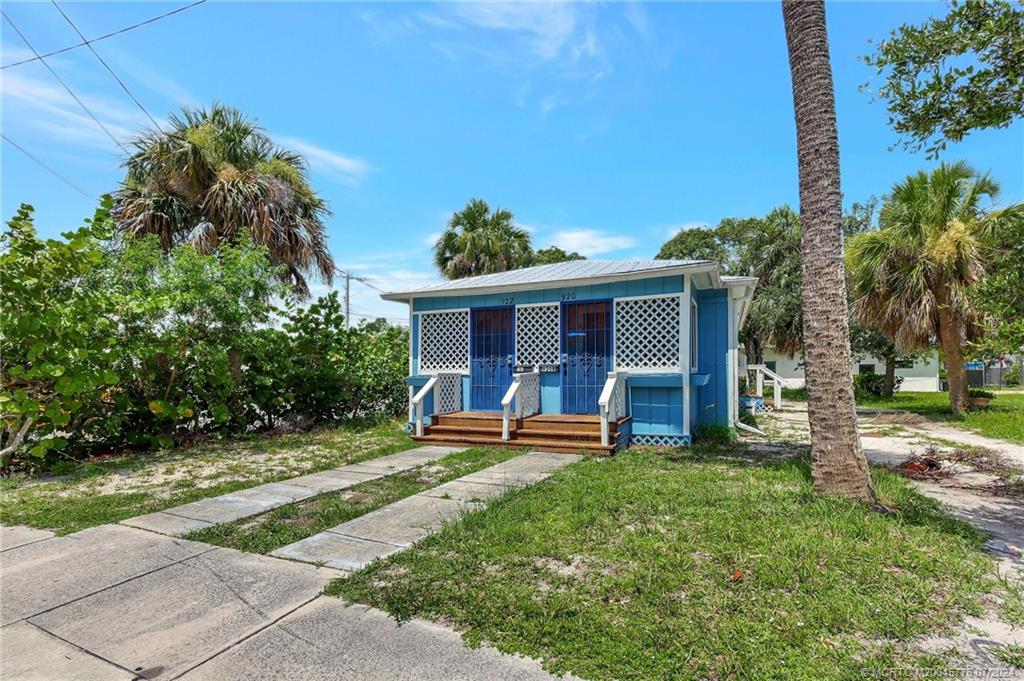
580, 272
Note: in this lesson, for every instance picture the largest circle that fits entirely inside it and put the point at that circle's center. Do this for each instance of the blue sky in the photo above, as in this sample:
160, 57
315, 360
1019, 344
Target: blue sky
603, 127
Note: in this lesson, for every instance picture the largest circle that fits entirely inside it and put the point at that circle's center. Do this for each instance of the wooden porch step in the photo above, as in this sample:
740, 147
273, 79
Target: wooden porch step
530, 432
558, 446
471, 430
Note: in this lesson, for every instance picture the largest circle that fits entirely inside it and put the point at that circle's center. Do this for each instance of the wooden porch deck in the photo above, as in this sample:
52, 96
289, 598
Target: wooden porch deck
566, 433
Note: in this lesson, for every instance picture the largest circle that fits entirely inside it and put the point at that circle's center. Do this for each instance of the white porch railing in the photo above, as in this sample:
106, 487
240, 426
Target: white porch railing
447, 391
778, 382
525, 390
612, 403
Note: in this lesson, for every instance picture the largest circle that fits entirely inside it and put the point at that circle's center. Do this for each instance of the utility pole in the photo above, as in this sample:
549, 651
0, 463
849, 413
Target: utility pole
348, 284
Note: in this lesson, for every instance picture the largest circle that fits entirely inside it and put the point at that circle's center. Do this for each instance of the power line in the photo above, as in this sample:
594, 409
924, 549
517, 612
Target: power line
48, 168
106, 65
61, 81
103, 37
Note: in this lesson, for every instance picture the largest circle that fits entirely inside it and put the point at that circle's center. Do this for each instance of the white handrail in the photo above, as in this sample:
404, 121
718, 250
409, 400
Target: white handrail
417, 403
778, 382
610, 403
529, 380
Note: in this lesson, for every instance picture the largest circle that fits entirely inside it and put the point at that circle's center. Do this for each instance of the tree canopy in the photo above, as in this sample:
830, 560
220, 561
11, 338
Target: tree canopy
481, 241
554, 254
954, 74
214, 176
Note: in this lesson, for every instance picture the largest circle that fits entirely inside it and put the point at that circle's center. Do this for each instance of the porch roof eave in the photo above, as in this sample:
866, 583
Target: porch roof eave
707, 268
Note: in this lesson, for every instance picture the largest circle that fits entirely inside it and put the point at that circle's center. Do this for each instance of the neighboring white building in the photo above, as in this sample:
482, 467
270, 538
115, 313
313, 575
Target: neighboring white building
920, 376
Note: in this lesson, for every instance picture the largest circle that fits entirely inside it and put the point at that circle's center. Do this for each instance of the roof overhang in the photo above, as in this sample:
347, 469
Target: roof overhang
703, 275
741, 290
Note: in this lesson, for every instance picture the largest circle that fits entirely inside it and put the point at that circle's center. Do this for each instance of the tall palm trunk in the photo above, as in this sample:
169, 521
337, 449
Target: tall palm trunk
889, 386
837, 461
953, 338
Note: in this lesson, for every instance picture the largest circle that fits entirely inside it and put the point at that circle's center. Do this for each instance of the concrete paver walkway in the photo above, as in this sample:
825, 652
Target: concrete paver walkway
255, 500
118, 603
355, 544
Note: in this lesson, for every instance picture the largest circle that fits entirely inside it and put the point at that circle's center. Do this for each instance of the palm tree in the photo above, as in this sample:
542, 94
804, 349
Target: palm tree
479, 241
214, 176
912, 277
837, 461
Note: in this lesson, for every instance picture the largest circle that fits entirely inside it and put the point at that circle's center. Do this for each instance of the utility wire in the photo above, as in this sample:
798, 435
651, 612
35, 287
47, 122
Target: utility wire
48, 168
61, 81
103, 37
106, 66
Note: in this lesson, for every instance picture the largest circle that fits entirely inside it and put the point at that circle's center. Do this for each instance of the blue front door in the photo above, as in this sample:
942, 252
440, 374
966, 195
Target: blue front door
586, 354
492, 355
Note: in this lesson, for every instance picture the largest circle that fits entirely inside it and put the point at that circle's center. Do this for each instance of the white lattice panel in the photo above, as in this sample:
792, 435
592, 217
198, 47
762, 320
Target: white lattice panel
537, 334
528, 397
444, 341
449, 393
647, 333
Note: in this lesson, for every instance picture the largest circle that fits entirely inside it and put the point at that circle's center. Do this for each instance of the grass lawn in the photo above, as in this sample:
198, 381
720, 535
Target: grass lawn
1002, 419
649, 566
293, 522
109, 490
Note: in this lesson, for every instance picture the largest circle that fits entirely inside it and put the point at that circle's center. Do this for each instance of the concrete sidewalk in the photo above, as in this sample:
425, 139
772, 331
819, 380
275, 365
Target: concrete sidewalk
355, 544
117, 603
256, 500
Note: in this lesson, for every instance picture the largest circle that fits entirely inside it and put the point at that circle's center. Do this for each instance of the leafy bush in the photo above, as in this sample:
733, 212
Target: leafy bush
58, 337
1012, 377
866, 386
984, 394
107, 344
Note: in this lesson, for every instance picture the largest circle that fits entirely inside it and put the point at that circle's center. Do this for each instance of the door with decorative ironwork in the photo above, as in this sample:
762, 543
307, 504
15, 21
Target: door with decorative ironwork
586, 354
492, 356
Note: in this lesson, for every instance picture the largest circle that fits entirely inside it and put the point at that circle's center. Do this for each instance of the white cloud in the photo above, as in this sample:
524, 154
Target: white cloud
591, 242
345, 169
49, 109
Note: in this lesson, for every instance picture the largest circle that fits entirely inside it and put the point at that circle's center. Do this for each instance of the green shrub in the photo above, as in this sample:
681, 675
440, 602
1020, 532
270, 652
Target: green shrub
977, 392
714, 433
105, 343
1012, 377
873, 385
58, 337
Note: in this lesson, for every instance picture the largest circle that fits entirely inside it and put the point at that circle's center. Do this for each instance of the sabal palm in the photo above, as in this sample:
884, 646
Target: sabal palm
911, 278
214, 176
479, 241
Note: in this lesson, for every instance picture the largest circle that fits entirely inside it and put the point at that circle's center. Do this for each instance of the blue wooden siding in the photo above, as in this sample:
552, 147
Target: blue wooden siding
710, 403
637, 287
657, 404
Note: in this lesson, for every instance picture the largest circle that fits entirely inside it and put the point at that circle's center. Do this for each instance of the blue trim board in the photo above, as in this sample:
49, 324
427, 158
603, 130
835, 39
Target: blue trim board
710, 403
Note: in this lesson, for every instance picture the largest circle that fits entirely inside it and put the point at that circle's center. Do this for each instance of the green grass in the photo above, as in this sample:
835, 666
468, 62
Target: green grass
1002, 419
135, 483
299, 520
646, 567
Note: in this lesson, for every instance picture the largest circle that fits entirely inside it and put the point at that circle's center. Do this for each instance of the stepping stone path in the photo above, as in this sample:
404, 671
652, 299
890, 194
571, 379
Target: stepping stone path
395, 527
256, 500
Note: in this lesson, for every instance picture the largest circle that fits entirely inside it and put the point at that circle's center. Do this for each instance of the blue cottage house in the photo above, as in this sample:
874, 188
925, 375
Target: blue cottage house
584, 355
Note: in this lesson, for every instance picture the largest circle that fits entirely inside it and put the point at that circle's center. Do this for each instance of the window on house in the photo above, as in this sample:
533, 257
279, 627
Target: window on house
865, 368
904, 364
770, 365
693, 334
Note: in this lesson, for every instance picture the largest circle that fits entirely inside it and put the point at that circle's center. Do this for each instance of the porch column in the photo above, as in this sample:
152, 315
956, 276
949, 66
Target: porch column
684, 348
732, 361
